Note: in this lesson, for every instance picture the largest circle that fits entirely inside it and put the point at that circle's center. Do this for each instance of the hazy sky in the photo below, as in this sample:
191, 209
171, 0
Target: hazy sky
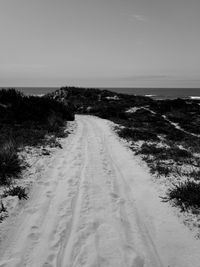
100, 42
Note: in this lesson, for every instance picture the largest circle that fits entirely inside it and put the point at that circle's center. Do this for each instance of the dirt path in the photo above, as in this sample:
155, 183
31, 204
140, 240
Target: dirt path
95, 206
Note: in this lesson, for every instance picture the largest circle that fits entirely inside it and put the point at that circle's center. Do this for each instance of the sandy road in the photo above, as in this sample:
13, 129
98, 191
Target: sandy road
95, 206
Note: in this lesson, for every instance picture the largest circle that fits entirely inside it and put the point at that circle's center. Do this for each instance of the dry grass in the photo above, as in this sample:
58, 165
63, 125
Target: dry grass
10, 164
186, 195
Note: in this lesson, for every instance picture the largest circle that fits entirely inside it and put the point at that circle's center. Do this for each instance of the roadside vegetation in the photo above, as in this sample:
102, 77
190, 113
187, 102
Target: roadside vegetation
26, 121
185, 195
10, 164
173, 153
165, 133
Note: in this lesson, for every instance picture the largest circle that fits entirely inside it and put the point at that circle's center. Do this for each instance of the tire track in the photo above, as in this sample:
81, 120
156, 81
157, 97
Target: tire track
86, 211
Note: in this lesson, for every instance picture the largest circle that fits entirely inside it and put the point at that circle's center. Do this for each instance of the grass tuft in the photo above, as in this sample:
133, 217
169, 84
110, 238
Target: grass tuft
10, 164
137, 134
160, 169
186, 195
3, 212
16, 191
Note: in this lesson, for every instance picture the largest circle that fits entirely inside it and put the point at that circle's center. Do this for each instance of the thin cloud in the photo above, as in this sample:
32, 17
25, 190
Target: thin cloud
138, 17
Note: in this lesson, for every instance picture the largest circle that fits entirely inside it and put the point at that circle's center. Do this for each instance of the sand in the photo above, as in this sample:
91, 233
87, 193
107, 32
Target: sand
95, 205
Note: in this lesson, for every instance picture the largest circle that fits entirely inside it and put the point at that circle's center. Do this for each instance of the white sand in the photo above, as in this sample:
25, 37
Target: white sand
177, 126
95, 206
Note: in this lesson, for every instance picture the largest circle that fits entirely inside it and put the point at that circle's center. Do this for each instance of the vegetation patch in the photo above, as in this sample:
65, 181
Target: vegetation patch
186, 195
10, 164
137, 134
3, 212
168, 129
27, 121
165, 153
18, 191
160, 169
195, 174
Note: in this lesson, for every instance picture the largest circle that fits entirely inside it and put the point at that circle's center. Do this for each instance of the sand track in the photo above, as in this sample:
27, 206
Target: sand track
95, 206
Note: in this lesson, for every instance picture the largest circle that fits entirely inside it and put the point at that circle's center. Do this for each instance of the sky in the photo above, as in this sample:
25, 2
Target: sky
123, 43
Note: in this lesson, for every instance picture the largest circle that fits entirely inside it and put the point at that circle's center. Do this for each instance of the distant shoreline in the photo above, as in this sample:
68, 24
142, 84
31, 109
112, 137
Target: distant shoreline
155, 93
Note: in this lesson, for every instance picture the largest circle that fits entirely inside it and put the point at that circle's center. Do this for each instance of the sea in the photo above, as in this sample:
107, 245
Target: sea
155, 93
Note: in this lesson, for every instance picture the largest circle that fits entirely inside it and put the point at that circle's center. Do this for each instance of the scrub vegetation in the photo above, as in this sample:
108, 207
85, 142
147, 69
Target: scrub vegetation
165, 133
27, 121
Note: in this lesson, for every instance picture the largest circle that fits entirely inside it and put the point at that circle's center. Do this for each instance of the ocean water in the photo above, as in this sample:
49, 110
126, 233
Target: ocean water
156, 93
162, 93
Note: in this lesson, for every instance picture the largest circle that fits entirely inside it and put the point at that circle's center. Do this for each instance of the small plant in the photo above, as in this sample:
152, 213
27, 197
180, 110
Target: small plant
195, 174
160, 169
3, 212
10, 164
16, 191
151, 149
137, 134
186, 195
2, 208
174, 153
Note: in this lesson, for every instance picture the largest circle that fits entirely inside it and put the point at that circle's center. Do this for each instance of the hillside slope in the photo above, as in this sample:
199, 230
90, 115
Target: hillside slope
98, 102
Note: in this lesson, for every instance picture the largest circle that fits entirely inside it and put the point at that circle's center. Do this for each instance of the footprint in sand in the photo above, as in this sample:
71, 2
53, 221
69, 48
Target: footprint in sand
31, 210
135, 260
34, 236
117, 198
114, 195
61, 174
70, 181
43, 183
49, 194
56, 245
47, 264
34, 228
109, 172
51, 257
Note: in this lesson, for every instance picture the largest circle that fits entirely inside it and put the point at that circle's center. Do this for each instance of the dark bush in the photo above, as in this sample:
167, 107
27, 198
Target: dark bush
10, 164
28, 119
160, 169
151, 149
137, 134
3, 212
9, 96
185, 195
18, 191
159, 154
22, 109
195, 174
172, 152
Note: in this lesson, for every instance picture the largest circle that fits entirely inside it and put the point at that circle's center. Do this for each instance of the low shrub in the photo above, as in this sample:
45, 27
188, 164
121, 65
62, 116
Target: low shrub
160, 169
21, 109
186, 195
30, 118
2, 207
191, 142
165, 153
137, 134
195, 174
3, 212
54, 122
16, 191
10, 164
8, 96
151, 149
